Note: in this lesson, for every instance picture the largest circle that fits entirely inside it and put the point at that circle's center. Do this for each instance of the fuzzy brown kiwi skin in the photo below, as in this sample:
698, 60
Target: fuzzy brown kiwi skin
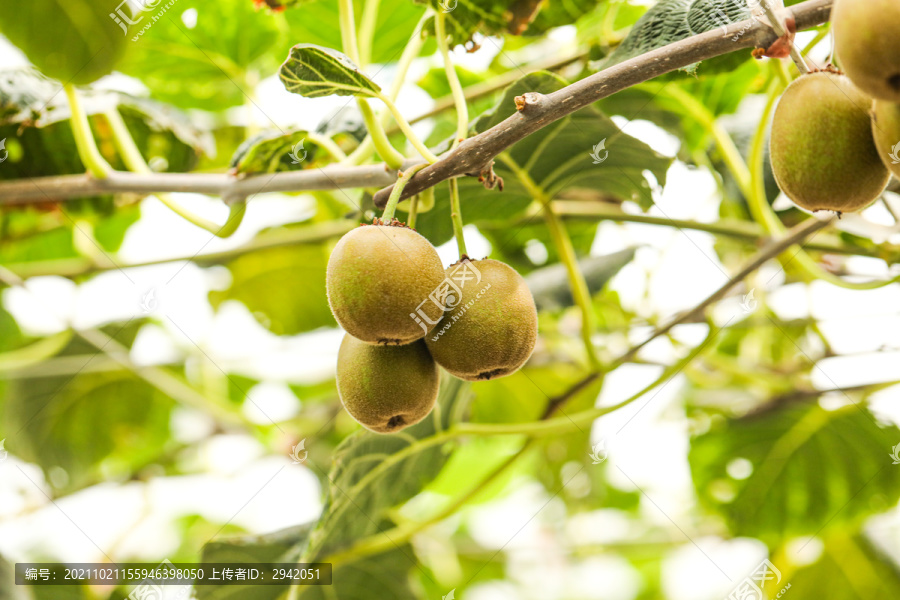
867, 44
822, 150
494, 333
386, 388
377, 276
886, 130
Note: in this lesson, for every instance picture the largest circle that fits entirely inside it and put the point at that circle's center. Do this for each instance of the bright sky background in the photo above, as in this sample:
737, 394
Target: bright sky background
673, 271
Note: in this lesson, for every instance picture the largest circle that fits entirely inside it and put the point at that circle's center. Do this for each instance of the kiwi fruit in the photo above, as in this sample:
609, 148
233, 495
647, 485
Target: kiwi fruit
491, 331
377, 277
822, 151
867, 43
386, 388
886, 129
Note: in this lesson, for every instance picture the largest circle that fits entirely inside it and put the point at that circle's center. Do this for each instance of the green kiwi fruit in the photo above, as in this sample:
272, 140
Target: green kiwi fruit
822, 151
867, 43
886, 129
491, 328
386, 388
378, 277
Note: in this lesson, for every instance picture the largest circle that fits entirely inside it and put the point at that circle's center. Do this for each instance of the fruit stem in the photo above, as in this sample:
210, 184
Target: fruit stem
367, 30
459, 97
327, 144
410, 53
413, 211
456, 217
348, 30
134, 160
383, 146
394, 199
404, 126
730, 153
778, 26
88, 152
580, 291
563, 243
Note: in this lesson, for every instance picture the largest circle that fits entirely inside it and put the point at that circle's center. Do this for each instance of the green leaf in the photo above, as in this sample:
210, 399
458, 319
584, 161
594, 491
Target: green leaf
850, 568
365, 481
274, 152
811, 468
281, 546
384, 575
550, 285
73, 41
313, 71
381, 576
35, 117
92, 423
213, 65
669, 21
556, 158
283, 287
317, 22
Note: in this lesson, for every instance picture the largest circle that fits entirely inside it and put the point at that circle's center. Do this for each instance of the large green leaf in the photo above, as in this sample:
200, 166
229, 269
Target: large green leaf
74, 41
317, 22
213, 64
283, 287
314, 71
850, 568
809, 468
669, 21
365, 481
380, 576
550, 285
87, 424
465, 18
555, 159
34, 116
278, 547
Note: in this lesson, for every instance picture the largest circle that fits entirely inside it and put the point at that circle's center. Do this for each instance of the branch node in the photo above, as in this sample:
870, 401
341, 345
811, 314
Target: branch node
781, 48
489, 179
528, 101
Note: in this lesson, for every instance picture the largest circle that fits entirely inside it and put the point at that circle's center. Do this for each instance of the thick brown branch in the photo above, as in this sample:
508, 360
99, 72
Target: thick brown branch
475, 155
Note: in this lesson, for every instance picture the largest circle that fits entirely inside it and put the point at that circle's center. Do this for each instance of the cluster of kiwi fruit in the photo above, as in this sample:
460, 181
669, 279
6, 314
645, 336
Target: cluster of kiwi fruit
835, 134
379, 277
